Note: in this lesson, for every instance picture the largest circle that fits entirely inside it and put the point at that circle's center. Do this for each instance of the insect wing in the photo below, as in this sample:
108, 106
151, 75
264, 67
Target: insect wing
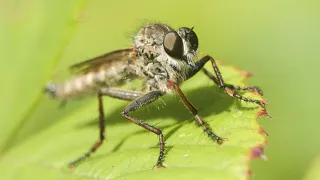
104, 60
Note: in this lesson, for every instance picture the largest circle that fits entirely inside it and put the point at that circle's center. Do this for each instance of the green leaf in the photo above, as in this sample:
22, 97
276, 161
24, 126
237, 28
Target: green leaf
41, 138
313, 172
33, 39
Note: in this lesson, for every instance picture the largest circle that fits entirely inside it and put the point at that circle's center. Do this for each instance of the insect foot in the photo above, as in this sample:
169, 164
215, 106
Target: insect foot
159, 165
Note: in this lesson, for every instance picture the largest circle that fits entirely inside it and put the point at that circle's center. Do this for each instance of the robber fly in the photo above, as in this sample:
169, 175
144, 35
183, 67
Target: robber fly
163, 57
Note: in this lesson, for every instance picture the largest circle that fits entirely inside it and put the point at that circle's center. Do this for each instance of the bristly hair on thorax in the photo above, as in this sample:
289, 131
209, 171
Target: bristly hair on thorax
154, 63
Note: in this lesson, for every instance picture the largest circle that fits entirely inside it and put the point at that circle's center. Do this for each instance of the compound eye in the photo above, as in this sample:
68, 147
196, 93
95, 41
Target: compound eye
193, 39
173, 45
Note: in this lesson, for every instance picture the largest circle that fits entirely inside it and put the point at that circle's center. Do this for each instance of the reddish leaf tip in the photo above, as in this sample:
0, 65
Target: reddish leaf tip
258, 152
263, 112
262, 131
248, 173
265, 101
248, 74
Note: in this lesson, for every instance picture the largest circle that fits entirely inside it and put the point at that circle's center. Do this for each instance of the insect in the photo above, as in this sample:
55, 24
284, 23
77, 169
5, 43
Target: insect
163, 58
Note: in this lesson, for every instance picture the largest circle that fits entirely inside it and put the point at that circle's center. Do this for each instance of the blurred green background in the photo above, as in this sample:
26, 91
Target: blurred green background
277, 41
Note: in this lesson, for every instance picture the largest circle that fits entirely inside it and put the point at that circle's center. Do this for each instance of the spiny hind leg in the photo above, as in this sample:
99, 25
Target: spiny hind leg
101, 135
112, 92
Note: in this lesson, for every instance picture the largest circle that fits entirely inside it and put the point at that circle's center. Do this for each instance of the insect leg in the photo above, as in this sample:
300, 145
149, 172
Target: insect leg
219, 80
228, 90
101, 135
121, 94
112, 92
194, 111
139, 103
237, 88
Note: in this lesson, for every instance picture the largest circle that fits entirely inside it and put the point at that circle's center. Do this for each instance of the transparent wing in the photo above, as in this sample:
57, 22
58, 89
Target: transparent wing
105, 60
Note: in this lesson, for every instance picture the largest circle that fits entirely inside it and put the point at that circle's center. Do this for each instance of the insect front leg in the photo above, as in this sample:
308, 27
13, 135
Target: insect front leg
227, 88
232, 87
231, 92
139, 103
194, 111
115, 93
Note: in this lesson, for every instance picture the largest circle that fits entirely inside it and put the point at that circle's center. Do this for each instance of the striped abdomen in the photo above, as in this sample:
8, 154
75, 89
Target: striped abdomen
113, 70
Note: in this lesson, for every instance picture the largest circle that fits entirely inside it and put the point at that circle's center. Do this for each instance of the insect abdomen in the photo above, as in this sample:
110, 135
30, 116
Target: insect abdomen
77, 86
87, 83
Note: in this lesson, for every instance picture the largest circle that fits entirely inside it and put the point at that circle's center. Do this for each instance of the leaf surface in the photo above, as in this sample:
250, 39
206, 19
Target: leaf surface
41, 138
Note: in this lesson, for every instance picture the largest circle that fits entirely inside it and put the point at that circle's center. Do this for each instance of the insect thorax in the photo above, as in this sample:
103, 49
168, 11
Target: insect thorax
152, 61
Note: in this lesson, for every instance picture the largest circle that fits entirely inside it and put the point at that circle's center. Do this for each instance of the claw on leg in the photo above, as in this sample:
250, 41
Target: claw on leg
159, 165
221, 141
